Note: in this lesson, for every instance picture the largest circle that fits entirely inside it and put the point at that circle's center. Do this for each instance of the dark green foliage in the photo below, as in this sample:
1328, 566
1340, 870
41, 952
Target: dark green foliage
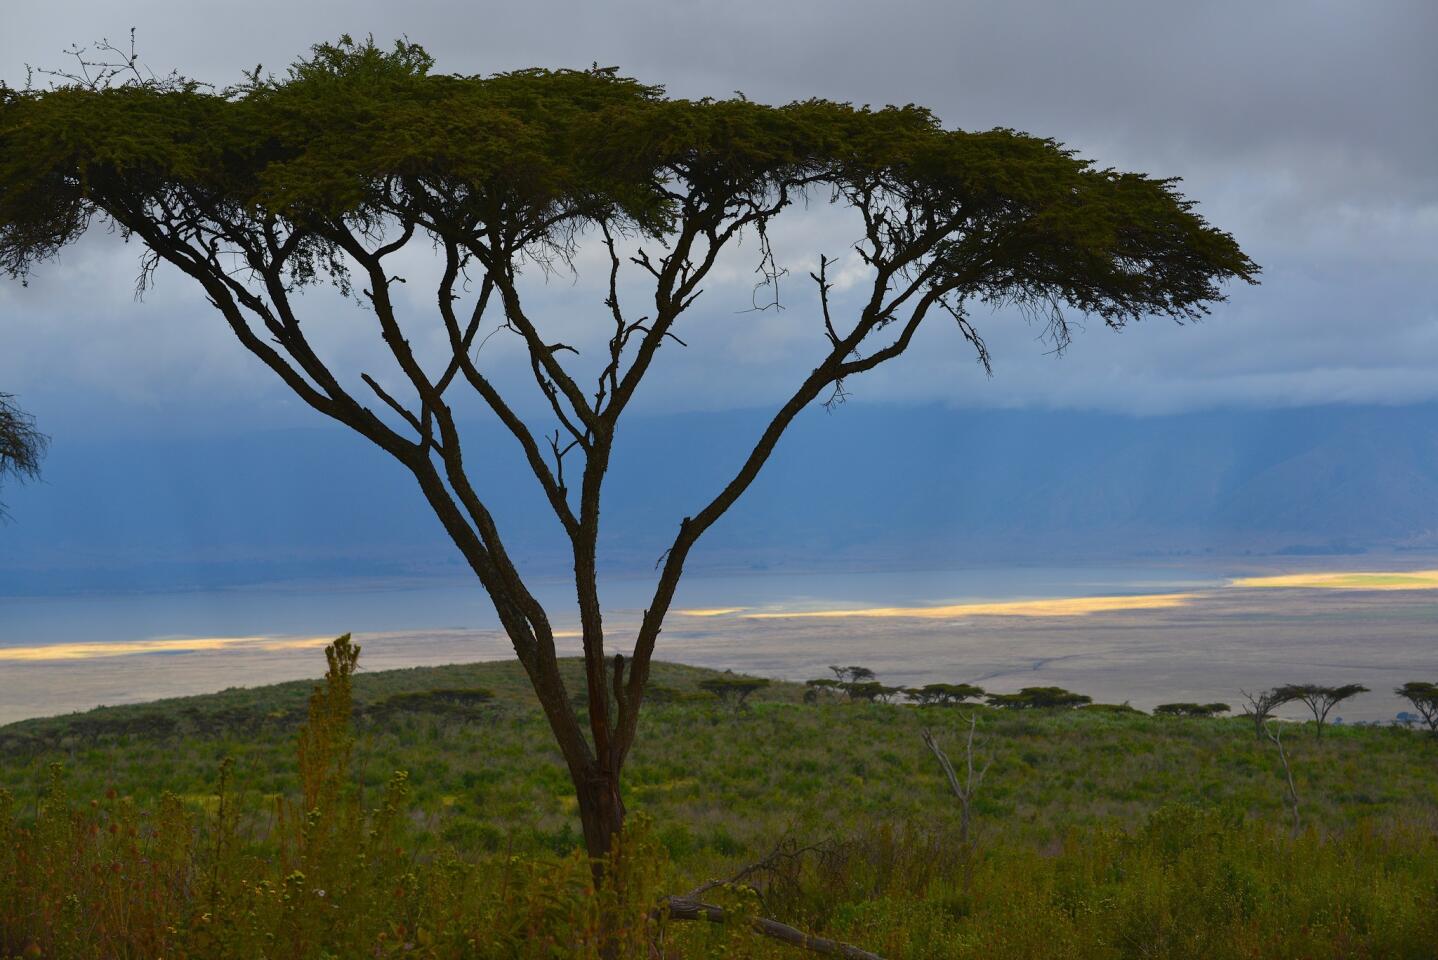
944, 694
867, 690
1424, 697
888, 694
359, 132
858, 683
1190, 709
870, 691
1038, 698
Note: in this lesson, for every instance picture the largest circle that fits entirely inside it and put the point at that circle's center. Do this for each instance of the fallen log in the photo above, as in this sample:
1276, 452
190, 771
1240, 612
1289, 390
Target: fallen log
683, 908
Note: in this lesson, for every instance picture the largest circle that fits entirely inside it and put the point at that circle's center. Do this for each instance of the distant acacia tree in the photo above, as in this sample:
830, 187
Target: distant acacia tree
21, 445
852, 674
822, 687
1191, 709
1424, 697
360, 159
1261, 706
1038, 698
944, 694
1320, 699
733, 691
870, 691
1116, 709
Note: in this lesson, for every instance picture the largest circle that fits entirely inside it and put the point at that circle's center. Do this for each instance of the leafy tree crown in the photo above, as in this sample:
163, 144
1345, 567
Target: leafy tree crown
366, 135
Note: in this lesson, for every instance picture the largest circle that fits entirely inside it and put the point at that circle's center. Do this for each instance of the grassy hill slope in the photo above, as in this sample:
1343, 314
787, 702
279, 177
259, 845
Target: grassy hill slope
1094, 818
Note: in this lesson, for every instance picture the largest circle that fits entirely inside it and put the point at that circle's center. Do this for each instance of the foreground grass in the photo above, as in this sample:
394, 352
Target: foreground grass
1099, 834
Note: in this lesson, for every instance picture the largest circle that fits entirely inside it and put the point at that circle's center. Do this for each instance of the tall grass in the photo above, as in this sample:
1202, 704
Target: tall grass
322, 876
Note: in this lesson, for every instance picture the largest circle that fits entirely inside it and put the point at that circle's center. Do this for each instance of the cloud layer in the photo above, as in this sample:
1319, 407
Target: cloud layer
1301, 127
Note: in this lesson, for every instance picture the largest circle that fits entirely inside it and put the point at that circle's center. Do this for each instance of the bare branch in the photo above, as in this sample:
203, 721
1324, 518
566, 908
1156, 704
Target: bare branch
459, 345
551, 376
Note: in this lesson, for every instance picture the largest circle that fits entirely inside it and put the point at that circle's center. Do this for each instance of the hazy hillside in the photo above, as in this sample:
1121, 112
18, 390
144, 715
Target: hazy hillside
864, 485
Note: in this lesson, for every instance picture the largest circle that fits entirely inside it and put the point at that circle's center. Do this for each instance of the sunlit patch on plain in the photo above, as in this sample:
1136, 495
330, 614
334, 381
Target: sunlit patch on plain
711, 611
1347, 580
1059, 607
90, 651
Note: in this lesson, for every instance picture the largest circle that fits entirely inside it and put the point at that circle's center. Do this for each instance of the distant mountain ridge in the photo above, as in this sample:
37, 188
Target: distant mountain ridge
865, 485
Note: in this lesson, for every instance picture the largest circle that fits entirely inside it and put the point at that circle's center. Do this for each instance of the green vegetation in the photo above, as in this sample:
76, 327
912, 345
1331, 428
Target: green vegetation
446, 828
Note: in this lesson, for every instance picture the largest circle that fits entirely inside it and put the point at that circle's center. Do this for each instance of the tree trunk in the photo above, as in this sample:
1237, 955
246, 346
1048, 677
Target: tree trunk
601, 813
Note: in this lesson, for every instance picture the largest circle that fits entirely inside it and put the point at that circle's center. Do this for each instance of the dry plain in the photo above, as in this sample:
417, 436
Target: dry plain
1200, 645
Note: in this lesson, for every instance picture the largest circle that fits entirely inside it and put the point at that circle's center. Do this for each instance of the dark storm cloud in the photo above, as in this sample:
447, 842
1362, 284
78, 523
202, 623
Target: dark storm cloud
1306, 128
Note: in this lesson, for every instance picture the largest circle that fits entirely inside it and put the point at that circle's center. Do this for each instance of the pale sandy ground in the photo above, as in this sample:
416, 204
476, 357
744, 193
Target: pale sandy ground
1201, 647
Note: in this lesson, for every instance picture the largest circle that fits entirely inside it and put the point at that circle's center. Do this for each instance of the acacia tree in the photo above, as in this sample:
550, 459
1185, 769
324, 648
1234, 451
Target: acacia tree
358, 156
944, 693
21, 445
1190, 709
1039, 698
1320, 699
852, 674
1424, 697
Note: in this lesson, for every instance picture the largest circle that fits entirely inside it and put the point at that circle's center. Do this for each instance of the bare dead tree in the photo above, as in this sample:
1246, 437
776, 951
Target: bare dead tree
1261, 706
1275, 736
966, 790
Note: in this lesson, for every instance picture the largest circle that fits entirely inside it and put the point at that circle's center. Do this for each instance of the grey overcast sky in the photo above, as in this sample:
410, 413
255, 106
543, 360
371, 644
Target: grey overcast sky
1307, 129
